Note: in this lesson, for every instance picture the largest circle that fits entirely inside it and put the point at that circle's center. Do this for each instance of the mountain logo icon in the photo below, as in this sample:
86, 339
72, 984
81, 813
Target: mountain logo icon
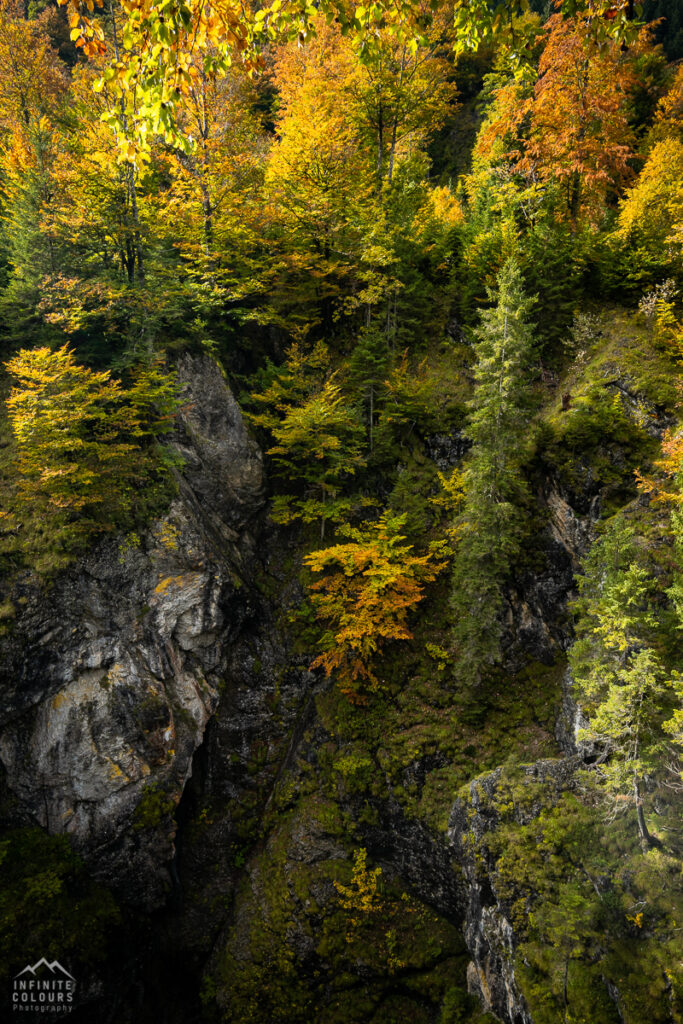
55, 968
44, 987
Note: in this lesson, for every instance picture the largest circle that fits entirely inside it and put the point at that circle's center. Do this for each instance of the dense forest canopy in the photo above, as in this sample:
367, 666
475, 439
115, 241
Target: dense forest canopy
400, 229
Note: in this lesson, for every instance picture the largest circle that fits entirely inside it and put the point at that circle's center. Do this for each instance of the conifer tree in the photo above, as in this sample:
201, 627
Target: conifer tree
618, 672
495, 491
368, 367
318, 447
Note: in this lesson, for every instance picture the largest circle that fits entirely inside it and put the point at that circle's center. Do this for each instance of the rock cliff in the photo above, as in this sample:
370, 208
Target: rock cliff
109, 678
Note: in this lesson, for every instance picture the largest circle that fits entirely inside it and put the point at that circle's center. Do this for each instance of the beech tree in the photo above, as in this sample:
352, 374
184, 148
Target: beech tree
315, 165
652, 212
369, 586
567, 123
579, 126
156, 61
211, 191
401, 95
99, 216
32, 87
87, 452
318, 447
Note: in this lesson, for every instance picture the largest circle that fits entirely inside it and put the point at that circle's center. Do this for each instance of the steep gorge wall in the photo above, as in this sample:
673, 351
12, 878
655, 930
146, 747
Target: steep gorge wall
110, 676
161, 670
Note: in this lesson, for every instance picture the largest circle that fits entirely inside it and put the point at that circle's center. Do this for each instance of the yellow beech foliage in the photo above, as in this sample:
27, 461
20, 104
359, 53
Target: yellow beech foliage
32, 82
369, 586
653, 208
154, 58
85, 446
361, 897
212, 188
99, 213
669, 116
315, 174
32, 86
667, 486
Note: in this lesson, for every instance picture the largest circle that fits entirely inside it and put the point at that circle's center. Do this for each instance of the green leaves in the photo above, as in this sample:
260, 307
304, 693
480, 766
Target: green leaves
318, 445
616, 666
167, 41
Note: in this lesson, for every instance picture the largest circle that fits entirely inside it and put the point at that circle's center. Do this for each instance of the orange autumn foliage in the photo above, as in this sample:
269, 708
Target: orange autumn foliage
370, 585
573, 125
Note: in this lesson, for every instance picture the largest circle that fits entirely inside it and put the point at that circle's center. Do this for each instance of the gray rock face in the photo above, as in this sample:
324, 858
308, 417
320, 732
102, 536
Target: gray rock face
161, 670
535, 625
570, 721
108, 681
489, 933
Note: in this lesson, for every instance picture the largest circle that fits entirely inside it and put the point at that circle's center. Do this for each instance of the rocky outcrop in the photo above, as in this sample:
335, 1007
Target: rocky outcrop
536, 623
108, 680
570, 721
489, 931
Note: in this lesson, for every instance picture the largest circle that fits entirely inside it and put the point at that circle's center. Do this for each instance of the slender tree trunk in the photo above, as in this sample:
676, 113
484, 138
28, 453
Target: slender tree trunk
372, 411
130, 177
642, 824
207, 205
575, 181
137, 237
380, 145
575, 199
394, 127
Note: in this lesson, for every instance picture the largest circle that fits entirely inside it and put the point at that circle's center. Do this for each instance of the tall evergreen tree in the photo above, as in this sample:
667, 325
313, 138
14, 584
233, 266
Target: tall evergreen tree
618, 672
495, 490
369, 367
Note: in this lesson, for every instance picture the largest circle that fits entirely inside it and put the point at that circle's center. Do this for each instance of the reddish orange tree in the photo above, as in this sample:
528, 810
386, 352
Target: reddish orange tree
579, 129
571, 124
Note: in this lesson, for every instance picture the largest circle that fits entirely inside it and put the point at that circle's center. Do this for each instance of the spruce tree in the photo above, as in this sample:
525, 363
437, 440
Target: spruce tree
368, 369
618, 673
493, 522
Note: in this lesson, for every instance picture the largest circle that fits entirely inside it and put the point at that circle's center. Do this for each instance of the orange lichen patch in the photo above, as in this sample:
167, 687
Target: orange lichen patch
168, 581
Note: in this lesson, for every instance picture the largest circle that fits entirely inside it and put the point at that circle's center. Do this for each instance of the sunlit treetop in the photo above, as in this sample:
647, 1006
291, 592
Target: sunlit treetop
156, 49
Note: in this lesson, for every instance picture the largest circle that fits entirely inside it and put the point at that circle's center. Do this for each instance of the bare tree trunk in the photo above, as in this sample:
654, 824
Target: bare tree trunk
137, 238
380, 145
207, 205
130, 178
575, 185
394, 127
372, 411
642, 824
